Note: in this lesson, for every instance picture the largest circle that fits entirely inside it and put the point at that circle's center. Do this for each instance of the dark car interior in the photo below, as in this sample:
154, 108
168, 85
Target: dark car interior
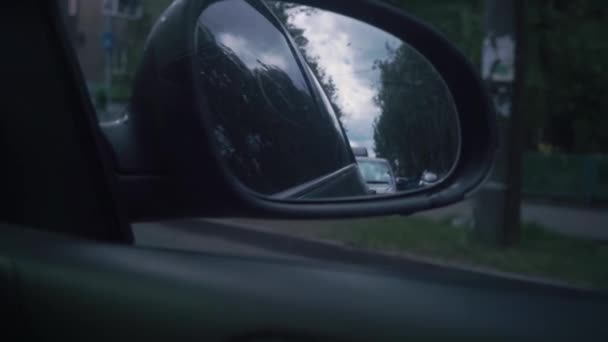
70, 270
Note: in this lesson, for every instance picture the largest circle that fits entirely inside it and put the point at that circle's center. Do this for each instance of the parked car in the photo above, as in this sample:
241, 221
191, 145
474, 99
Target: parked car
359, 151
378, 175
428, 178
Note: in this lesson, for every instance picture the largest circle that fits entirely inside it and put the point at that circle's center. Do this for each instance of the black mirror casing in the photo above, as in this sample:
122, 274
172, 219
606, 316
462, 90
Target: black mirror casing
181, 173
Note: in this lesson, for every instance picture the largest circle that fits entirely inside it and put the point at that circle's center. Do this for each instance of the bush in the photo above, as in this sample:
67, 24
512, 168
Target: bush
577, 177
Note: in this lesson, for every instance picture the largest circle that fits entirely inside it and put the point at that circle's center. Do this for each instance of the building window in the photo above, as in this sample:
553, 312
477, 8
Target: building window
128, 9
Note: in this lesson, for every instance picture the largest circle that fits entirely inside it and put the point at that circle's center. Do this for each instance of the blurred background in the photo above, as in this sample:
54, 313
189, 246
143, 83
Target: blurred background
543, 213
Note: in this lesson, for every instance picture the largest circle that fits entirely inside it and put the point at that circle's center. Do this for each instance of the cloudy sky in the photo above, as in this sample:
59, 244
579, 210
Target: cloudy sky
347, 49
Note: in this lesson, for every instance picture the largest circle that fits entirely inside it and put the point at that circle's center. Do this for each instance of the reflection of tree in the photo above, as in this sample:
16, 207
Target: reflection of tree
417, 128
283, 10
263, 122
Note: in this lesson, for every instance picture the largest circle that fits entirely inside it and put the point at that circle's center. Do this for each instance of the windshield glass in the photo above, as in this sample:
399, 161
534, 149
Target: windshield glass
375, 171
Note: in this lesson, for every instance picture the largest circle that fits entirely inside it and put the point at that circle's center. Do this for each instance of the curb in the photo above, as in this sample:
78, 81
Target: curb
339, 253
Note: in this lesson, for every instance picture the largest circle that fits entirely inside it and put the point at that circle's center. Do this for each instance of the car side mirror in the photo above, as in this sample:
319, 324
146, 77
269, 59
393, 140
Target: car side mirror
250, 108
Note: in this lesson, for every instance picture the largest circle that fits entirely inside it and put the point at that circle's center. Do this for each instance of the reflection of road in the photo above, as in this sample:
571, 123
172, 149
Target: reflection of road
589, 223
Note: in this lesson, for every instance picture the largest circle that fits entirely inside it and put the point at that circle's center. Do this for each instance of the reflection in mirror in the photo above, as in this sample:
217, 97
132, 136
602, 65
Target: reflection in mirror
310, 104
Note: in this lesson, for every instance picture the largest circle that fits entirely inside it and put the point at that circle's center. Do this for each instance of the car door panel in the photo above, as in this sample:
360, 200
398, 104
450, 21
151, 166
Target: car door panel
84, 290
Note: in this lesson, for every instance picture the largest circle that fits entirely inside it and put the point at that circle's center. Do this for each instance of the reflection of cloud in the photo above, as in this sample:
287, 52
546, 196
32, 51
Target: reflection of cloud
273, 59
346, 50
244, 49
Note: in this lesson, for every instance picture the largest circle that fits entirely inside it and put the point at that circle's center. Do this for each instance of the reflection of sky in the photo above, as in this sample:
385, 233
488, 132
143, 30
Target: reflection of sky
242, 29
347, 49
252, 58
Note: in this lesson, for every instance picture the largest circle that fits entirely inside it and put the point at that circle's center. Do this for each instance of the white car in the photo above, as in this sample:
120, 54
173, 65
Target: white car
378, 175
428, 178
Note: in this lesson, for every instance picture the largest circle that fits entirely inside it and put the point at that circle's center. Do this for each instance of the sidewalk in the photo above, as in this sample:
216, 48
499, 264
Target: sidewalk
573, 221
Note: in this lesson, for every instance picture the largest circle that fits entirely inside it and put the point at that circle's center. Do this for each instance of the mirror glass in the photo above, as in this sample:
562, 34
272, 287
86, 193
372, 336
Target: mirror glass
310, 104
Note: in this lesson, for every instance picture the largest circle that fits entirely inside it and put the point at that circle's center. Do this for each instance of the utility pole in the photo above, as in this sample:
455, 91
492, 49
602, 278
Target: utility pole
496, 207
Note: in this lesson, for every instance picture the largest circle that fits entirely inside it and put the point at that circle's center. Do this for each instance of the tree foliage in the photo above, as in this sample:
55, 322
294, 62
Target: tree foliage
283, 10
566, 65
461, 21
417, 129
262, 119
566, 104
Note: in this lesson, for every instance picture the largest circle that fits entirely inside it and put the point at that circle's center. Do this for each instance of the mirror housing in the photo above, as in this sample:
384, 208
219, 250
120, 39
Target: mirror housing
184, 176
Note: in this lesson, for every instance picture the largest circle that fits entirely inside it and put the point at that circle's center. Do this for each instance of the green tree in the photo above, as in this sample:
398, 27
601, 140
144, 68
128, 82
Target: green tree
414, 132
566, 65
566, 102
459, 20
283, 10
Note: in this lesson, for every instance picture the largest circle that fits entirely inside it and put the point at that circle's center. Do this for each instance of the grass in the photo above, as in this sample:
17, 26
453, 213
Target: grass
539, 253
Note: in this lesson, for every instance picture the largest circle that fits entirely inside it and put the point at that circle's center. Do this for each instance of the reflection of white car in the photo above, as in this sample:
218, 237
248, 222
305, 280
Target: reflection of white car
428, 178
360, 151
378, 175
